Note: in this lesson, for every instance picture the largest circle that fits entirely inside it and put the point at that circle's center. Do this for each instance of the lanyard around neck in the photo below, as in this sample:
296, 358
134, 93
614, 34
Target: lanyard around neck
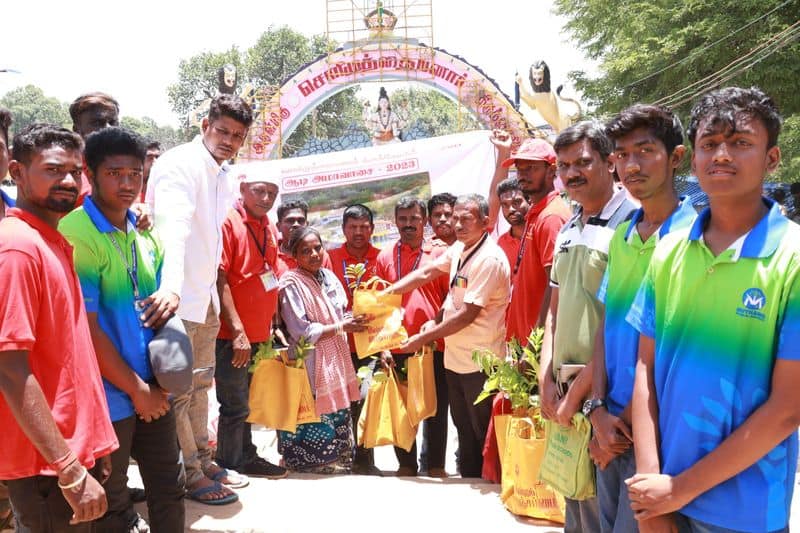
397, 263
132, 269
469, 256
262, 247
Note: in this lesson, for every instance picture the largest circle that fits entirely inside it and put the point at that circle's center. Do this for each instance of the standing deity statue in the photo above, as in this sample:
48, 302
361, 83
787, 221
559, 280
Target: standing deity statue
383, 124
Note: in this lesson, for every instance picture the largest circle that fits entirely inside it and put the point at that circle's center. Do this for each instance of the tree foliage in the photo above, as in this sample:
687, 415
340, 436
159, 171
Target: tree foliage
433, 111
29, 104
151, 131
650, 49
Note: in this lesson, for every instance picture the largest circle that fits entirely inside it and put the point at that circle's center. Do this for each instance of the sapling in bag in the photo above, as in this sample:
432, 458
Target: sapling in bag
567, 466
385, 329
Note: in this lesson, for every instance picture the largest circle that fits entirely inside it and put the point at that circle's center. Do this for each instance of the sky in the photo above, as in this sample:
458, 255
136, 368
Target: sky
131, 49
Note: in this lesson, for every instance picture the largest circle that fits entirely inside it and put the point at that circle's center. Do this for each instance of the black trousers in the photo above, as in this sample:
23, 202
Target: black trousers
39, 506
434, 429
471, 421
154, 445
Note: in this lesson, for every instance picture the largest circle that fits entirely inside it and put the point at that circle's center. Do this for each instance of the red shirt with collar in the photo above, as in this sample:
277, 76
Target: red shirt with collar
510, 246
42, 312
243, 264
421, 304
542, 224
341, 259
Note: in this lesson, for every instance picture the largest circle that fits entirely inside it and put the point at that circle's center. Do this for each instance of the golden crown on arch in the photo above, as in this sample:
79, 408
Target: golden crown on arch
380, 20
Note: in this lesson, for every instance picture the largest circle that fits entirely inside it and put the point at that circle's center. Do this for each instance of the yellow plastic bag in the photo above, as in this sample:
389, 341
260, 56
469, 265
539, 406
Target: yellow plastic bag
275, 393
566, 465
421, 402
307, 410
384, 418
385, 330
500, 431
521, 491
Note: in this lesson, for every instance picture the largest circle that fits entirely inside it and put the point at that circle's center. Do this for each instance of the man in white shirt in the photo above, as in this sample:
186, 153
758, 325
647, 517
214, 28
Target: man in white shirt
190, 193
472, 318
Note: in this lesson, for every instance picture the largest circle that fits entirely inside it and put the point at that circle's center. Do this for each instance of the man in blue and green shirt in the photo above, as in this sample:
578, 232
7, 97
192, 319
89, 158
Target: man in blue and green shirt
648, 148
119, 270
716, 404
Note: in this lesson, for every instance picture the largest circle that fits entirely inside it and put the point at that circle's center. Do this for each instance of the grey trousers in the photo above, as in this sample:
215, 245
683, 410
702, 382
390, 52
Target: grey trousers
582, 516
616, 515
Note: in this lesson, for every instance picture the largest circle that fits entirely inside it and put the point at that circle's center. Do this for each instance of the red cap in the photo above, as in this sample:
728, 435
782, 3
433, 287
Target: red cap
532, 150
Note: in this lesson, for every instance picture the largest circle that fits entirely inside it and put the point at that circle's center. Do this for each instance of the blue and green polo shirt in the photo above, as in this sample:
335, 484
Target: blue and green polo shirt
719, 324
108, 291
628, 258
7, 199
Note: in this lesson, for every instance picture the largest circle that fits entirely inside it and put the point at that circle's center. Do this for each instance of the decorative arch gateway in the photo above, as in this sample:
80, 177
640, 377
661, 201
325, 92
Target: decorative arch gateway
279, 113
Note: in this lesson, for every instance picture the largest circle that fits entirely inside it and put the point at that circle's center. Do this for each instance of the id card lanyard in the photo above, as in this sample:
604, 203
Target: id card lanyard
133, 269
466, 260
397, 260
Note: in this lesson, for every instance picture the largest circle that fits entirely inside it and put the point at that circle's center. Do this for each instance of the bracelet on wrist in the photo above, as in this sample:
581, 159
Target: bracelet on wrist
75, 483
62, 463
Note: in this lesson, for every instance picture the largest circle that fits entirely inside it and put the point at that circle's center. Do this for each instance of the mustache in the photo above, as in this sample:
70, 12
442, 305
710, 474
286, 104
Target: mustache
574, 180
65, 189
409, 228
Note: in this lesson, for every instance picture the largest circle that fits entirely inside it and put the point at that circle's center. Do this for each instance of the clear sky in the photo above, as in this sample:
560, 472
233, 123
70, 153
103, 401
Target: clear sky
131, 49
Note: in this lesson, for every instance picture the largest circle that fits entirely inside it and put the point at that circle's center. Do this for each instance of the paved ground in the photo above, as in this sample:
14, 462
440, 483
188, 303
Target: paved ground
305, 503
309, 503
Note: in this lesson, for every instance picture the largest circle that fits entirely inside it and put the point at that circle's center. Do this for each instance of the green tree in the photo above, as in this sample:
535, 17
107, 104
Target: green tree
654, 50
432, 111
150, 130
197, 80
29, 104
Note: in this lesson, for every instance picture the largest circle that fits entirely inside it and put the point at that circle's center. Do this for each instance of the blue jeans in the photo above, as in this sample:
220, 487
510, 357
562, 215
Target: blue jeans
616, 515
235, 446
690, 525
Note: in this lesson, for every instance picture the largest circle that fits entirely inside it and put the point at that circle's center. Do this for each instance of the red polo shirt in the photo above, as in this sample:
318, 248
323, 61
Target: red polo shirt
341, 259
510, 246
250, 253
42, 312
421, 304
542, 224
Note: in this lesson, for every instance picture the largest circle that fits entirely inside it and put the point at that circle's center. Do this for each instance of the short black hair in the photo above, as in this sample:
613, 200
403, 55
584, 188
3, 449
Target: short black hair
410, 202
5, 123
794, 188
297, 235
292, 204
508, 185
592, 130
662, 123
39, 136
154, 145
724, 105
443, 198
231, 106
357, 211
112, 141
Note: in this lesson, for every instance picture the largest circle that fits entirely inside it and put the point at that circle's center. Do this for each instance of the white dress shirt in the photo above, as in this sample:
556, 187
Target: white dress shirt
190, 194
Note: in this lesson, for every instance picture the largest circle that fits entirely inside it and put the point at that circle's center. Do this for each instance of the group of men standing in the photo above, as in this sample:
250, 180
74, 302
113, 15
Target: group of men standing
692, 430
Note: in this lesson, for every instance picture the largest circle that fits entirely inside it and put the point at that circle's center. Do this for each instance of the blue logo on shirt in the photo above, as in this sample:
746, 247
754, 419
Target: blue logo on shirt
753, 300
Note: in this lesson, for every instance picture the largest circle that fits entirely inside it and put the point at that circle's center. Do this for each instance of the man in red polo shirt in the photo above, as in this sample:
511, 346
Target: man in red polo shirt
515, 207
357, 226
53, 412
248, 290
530, 272
407, 254
293, 214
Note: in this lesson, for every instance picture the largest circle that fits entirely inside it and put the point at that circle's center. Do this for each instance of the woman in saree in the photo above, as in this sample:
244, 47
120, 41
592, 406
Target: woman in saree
312, 304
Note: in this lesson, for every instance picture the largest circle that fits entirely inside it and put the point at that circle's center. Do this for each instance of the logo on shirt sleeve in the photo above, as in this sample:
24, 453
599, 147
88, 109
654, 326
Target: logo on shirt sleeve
753, 301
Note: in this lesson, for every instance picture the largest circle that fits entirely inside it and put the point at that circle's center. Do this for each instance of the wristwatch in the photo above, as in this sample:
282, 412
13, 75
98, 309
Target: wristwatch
591, 405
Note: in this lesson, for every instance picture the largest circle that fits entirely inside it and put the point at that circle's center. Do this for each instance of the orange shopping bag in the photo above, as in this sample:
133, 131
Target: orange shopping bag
385, 330
384, 418
521, 491
275, 393
421, 401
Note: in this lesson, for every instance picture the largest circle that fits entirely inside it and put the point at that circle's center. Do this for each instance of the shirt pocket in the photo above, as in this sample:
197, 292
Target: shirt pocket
593, 271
